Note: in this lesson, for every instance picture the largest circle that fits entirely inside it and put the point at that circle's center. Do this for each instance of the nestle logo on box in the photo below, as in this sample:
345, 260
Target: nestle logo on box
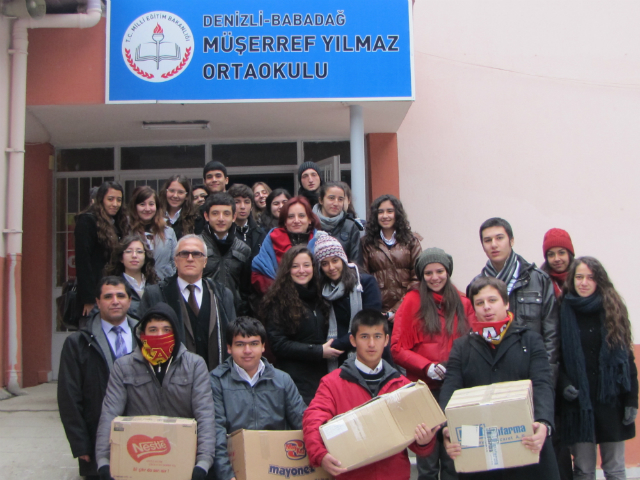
295, 449
142, 446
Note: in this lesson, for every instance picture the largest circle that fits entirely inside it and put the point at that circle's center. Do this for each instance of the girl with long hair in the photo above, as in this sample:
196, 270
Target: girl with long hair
177, 206
260, 193
389, 252
270, 217
133, 261
598, 377
336, 222
297, 327
147, 220
297, 225
557, 248
429, 319
97, 232
345, 289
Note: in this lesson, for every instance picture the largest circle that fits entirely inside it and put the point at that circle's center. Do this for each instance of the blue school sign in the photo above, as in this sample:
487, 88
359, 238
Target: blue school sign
274, 50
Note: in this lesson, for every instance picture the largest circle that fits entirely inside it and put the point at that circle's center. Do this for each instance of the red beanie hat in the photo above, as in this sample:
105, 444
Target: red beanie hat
556, 237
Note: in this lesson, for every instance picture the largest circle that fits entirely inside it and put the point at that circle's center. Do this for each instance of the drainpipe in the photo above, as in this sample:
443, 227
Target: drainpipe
15, 177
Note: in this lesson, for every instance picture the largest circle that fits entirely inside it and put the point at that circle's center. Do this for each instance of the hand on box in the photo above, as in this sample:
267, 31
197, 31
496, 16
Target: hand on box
453, 449
332, 465
536, 441
436, 371
329, 352
423, 435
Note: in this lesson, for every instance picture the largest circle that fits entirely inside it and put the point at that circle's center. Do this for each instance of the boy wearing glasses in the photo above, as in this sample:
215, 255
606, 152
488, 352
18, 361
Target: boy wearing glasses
204, 307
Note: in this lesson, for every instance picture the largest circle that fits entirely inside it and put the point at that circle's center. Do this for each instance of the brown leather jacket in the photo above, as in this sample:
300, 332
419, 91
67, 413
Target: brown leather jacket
393, 269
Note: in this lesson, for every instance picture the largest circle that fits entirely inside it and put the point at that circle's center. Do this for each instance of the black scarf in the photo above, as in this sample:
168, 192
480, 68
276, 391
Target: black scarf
308, 293
613, 374
507, 270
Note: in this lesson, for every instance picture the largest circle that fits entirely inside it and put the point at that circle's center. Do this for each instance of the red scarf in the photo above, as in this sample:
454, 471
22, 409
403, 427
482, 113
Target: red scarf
281, 242
157, 349
492, 332
558, 281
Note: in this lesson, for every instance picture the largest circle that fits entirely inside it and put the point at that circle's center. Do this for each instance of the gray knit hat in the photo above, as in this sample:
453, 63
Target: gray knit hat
433, 255
307, 166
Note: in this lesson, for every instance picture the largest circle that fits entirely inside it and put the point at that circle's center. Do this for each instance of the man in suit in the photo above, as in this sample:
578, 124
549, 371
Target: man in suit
204, 307
85, 363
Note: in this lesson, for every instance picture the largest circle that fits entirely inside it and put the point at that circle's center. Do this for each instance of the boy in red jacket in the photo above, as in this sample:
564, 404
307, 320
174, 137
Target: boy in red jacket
357, 381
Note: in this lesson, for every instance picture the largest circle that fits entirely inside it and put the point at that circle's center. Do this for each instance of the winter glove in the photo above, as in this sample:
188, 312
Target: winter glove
104, 472
199, 473
436, 371
570, 393
630, 414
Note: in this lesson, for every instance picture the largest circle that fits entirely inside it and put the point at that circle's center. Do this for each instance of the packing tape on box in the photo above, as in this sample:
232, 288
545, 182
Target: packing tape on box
265, 451
357, 428
486, 399
492, 448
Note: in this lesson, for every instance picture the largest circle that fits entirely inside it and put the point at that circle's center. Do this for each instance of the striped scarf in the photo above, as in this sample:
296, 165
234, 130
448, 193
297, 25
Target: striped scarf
507, 271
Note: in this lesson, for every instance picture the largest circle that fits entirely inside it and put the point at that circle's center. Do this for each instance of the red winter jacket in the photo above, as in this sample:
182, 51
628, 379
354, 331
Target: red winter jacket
339, 392
414, 350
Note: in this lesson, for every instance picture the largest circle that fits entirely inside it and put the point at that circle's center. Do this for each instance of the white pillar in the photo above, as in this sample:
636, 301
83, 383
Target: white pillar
358, 172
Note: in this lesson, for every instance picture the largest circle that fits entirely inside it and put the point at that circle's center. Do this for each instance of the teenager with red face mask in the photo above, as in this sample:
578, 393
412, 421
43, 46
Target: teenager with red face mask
178, 387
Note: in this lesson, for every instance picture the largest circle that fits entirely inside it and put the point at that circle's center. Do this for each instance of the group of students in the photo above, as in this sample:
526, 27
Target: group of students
279, 312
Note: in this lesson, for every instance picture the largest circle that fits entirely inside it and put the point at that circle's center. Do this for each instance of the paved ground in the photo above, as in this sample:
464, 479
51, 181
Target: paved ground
34, 446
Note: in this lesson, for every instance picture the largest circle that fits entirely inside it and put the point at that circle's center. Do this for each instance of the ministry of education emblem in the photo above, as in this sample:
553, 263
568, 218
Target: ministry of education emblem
157, 46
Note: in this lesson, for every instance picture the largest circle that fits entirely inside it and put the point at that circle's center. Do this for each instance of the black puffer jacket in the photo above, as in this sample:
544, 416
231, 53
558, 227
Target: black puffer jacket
300, 354
85, 363
520, 356
533, 302
253, 236
233, 269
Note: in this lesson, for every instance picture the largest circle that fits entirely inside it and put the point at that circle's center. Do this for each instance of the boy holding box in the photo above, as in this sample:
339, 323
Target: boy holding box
357, 381
249, 392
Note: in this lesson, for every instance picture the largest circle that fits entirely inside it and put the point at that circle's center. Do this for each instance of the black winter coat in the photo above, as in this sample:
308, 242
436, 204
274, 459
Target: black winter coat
607, 417
91, 257
520, 356
300, 354
533, 303
253, 237
347, 232
233, 269
85, 363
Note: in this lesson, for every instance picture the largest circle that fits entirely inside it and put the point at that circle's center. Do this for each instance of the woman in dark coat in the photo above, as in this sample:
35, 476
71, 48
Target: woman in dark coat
177, 204
337, 222
346, 289
97, 233
297, 324
499, 350
133, 261
598, 379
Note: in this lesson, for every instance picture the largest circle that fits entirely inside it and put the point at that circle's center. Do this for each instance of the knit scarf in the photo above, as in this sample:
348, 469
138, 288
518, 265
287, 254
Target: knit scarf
507, 270
492, 332
558, 281
335, 292
327, 223
613, 376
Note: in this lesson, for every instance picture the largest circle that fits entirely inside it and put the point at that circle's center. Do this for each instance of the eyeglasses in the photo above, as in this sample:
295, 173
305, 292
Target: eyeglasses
186, 253
131, 252
173, 191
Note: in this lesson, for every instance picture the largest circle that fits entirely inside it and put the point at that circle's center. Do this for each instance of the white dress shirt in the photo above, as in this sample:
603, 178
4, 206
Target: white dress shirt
112, 337
364, 369
183, 284
245, 376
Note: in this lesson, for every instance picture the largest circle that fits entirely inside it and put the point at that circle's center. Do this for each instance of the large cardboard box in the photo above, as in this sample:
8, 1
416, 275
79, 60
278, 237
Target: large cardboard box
490, 422
153, 448
267, 455
382, 427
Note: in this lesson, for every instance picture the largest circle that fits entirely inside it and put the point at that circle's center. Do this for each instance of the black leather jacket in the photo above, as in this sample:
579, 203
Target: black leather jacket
534, 305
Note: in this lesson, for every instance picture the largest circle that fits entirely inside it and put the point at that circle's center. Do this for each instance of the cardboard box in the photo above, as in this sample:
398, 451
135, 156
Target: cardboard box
490, 422
267, 455
382, 427
153, 448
